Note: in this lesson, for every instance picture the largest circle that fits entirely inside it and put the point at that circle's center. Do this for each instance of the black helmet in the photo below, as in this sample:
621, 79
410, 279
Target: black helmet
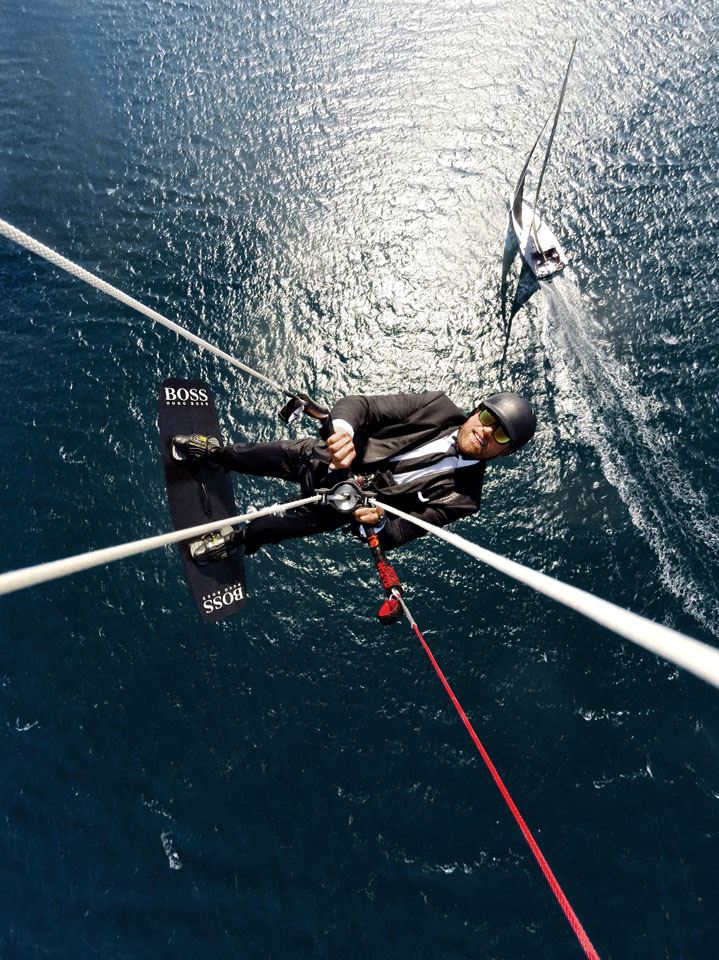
515, 414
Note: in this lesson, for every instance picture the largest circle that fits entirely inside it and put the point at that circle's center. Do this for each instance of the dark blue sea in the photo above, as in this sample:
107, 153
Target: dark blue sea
321, 188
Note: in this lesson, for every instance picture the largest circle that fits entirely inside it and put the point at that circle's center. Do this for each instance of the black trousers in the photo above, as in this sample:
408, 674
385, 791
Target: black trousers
299, 461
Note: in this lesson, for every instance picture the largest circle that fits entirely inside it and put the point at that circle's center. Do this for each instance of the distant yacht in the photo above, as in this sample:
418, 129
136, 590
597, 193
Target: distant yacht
539, 247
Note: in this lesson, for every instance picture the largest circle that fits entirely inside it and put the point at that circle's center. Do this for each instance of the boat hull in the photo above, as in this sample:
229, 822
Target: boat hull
541, 250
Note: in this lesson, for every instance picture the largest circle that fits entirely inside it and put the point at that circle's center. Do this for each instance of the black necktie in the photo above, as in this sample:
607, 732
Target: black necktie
426, 460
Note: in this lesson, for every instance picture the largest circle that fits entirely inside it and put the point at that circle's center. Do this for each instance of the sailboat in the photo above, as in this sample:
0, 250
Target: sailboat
539, 247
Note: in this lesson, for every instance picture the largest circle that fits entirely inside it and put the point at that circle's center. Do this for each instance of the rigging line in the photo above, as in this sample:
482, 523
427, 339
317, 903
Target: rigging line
569, 913
43, 572
10, 232
549, 146
698, 658
554, 884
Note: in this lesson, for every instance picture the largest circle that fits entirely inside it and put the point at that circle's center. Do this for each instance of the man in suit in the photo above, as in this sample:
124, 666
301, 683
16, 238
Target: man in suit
418, 451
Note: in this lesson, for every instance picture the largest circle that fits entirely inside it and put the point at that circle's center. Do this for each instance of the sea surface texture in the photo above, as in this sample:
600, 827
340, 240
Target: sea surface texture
320, 188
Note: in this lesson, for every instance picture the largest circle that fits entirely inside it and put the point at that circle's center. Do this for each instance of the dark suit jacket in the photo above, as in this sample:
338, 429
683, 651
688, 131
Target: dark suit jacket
397, 423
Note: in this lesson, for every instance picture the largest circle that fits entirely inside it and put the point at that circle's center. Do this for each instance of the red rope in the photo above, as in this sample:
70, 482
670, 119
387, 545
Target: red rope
533, 846
388, 577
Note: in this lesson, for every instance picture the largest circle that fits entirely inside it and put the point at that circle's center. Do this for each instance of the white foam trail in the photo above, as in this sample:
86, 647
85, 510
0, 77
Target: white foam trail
173, 858
599, 394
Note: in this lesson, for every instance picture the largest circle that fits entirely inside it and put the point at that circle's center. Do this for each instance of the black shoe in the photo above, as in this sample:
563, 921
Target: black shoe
194, 446
216, 546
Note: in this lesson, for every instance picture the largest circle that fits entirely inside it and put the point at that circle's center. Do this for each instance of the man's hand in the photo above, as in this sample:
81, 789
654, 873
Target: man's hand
342, 450
369, 516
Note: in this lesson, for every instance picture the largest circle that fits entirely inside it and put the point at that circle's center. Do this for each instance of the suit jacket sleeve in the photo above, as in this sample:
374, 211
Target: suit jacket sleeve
369, 414
397, 531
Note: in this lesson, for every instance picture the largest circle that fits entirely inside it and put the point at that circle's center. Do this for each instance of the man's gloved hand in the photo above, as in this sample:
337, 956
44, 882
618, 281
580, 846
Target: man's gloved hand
342, 450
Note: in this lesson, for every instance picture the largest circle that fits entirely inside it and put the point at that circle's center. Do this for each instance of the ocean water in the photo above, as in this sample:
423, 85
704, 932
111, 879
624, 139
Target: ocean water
321, 189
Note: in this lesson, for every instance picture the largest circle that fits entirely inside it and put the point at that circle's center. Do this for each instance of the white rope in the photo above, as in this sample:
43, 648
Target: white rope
696, 657
34, 246
29, 576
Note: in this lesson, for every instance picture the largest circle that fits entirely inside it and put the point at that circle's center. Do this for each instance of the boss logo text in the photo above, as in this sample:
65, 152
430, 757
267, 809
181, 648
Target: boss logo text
223, 599
185, 395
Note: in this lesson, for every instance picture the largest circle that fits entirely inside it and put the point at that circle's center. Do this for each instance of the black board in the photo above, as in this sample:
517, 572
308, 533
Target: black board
198, 494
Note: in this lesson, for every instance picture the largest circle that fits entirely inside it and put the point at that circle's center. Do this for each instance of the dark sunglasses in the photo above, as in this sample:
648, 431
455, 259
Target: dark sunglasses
488, 419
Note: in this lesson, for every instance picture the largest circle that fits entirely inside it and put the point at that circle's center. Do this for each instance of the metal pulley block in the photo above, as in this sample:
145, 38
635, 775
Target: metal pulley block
345, 496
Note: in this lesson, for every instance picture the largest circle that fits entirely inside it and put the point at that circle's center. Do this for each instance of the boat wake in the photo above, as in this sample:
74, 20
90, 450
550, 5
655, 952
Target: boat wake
597, 396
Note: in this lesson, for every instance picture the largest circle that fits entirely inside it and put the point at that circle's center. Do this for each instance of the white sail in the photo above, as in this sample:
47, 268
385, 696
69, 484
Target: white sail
519, 189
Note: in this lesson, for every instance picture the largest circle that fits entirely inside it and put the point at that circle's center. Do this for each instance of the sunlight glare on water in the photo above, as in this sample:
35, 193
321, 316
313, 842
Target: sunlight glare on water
321, 189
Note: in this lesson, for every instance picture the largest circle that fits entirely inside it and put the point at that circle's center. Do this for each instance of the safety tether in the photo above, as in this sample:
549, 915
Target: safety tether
34, 246
693, 655
43, 572
556, 889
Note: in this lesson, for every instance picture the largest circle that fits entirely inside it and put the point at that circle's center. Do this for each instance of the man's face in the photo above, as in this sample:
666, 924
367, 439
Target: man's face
478, 442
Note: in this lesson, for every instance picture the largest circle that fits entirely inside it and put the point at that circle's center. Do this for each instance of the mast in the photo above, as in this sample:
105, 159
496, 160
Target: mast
549, 147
